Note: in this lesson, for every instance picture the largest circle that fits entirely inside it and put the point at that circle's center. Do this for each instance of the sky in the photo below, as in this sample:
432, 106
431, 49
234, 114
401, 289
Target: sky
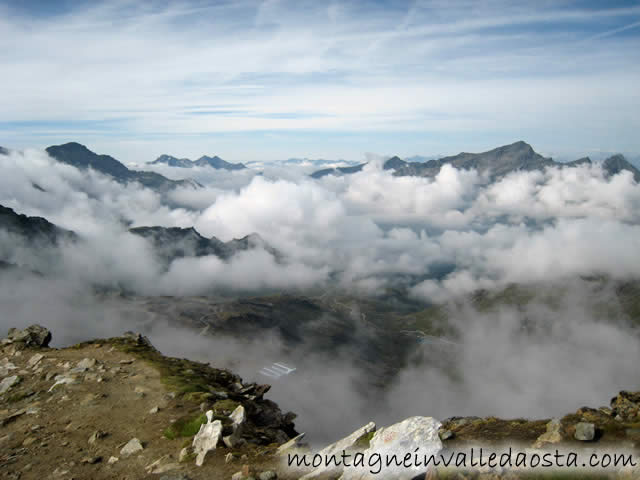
273, 79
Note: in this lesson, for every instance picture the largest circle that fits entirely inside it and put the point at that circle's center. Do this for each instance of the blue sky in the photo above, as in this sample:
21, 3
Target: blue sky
263, 80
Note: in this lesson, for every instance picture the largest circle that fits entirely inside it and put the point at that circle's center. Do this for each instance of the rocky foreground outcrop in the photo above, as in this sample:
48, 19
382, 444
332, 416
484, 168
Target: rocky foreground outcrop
118, 408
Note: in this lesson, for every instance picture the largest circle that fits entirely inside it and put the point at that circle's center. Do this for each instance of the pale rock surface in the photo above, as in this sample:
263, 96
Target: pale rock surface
414, 435
8, 382
132, 446
552, 435
207, 438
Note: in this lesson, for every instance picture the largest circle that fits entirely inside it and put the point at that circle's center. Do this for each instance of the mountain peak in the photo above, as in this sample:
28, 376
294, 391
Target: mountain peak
79, 156
394, 163
617, 163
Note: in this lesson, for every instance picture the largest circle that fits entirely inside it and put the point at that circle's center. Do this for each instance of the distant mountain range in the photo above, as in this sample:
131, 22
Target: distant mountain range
81, 157
337, 171
204, 161
498, 162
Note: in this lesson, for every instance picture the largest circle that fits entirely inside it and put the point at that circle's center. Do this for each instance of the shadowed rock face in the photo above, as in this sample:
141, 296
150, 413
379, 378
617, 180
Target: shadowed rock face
617, 163
204, 161
81, 157
34, 231
175, 242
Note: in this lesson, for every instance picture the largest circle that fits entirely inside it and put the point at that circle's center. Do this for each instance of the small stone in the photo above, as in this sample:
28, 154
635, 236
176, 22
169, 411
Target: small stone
9, 382
154, 410
127, 361
161, 466
33, 361
92, 460
585, 432
268, 475
28, 441
233, 440
238, 416
184, 454
62, 380
92, 377
237, 476
132, 446
112, 460
445, 434
228, 458
552, 435
6, 366
86, 363
97, 435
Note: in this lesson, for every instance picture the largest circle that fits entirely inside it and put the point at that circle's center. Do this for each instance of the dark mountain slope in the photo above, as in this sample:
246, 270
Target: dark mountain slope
81, 157
33, 230
175, 242
616, 164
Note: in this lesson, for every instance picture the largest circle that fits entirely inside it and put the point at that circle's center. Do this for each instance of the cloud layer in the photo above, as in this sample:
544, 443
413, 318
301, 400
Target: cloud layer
360, 234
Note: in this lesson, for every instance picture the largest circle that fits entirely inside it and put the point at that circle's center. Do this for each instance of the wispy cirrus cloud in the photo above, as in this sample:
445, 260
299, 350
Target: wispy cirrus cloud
446, 75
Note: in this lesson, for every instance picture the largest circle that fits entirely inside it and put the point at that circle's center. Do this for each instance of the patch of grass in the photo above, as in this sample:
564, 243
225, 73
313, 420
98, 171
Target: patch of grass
226, 405
495, 430
185, 427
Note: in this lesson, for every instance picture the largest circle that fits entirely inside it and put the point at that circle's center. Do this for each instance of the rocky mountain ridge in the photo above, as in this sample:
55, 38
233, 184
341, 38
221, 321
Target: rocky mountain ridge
81, 157
169, 243
497, 163
118, 408
204, 161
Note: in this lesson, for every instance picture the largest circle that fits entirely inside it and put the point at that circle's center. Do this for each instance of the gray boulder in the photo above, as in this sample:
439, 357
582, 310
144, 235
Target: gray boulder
585, 432
8, 382
33, 336
132, 446
207, 438
418, 435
